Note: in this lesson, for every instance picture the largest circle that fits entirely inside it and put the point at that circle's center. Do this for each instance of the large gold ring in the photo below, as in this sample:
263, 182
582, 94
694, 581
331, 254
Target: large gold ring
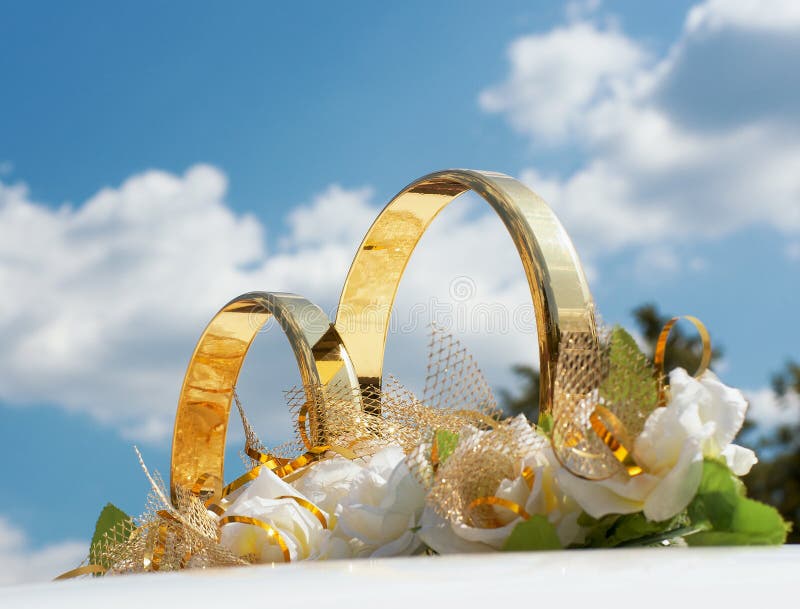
198, 445
560, 292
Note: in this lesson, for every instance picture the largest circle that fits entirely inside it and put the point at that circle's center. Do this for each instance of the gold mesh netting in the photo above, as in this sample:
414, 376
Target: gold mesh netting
604, 390
482, 459
456, 393
165, 537
593, 375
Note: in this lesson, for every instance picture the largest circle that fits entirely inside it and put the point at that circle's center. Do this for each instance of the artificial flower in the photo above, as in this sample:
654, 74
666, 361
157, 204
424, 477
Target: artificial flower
381, 512
700, 422
298, 527
536, 493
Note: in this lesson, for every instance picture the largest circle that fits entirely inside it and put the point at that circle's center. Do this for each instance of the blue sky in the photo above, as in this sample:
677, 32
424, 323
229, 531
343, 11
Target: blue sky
157, 159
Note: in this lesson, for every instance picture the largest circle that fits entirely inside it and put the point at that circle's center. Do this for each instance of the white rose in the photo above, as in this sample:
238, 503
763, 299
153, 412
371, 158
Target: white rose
300, 529
700, 421
328, 482
543, 496
380, 513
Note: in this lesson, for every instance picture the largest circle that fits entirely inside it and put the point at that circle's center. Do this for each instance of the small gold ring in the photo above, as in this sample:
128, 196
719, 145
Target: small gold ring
201, 423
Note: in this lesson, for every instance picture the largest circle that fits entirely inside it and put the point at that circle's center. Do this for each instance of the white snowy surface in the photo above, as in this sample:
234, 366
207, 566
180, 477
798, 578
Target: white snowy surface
679, 578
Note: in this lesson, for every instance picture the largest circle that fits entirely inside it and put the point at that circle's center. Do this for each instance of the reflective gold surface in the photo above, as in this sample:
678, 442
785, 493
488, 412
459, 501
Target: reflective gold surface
661, 344
560, 292
198, 446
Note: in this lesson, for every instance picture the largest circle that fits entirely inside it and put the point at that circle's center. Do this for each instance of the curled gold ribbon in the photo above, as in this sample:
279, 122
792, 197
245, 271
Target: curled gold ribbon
159, 548
240, 481
612, 432
529, 476
661, 344
265, 459
499, 501
661, 349
272, 532
310, 507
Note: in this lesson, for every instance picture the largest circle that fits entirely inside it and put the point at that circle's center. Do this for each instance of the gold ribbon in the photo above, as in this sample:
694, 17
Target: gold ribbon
84, 570
272, 532
661, 344
320, 515
529, 476
159, 548
499, 501
613, 434
611, 430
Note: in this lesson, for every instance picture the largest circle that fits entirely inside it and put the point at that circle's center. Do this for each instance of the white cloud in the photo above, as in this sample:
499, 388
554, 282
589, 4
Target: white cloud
558, 75
769, 15
335, 215
769, 411
695, 145
577, 10
19, 563
653, 263
698, 264
109, 297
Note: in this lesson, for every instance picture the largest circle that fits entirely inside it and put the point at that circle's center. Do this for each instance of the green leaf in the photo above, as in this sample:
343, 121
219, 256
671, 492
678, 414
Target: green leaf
730, 517
545, 424
629, 530
630, 382
536, 533
446, 442
636, 529
598, 529
111, 518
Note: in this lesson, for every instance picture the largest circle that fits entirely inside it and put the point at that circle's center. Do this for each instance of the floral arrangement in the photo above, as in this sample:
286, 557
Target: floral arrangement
449, 479
623, 453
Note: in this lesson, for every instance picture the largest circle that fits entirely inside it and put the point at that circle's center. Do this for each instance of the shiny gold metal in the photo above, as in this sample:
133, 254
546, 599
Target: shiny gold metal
84, 570
661, 352
501, 502
560, 292
661, 344
614, 435
198, 445
273, 533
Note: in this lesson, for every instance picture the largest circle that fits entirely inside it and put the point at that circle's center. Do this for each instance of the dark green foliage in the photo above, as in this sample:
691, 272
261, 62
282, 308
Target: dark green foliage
629, 530
527, 401
787, 380
776, 478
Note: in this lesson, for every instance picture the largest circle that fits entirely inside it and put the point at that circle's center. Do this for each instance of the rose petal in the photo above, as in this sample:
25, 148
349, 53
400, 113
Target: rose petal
725, 406
739, 459
437, 533
675, 490
598, 498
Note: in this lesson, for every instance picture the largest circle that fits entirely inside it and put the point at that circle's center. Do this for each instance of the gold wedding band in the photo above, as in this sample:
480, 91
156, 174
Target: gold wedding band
559, 290
201, 423
561, 297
